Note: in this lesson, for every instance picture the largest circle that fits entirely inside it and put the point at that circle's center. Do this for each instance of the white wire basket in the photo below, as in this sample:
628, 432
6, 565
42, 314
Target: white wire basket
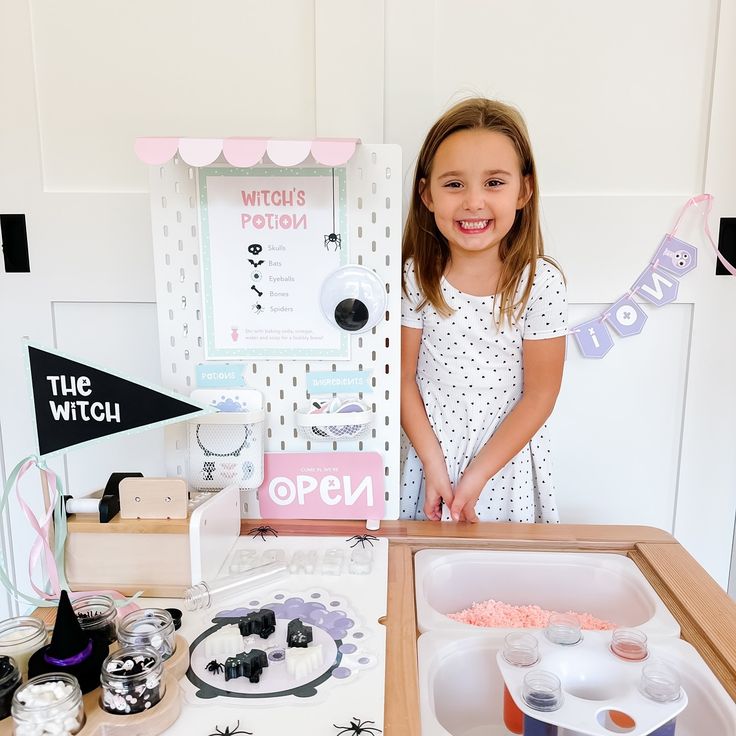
335, 427
226, 448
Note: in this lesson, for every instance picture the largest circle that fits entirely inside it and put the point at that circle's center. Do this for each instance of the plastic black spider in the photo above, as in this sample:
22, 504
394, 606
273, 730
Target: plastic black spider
357, 727
362, 539
335, 239
261, 531
215, 667
228, 732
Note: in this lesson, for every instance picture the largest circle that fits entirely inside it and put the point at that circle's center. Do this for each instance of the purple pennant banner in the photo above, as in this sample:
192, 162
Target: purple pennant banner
626, 317
676, 256
656, 286
594, 339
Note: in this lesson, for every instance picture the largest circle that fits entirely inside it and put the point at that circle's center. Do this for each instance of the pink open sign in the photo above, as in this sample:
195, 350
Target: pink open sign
322, 485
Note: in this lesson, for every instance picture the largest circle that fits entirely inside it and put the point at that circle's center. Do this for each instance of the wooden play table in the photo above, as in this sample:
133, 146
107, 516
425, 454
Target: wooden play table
707, 616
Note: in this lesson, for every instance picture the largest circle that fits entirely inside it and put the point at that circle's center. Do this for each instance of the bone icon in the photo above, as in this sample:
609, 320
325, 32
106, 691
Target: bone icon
260, 293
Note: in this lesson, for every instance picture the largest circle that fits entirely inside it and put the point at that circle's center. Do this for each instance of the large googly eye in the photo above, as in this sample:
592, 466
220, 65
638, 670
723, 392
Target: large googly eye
353, 299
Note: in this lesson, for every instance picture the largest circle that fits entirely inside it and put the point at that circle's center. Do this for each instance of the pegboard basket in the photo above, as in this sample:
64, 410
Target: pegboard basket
333, 427
226, 448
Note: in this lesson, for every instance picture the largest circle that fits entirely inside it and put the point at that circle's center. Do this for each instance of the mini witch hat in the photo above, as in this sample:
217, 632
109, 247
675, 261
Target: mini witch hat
71, 650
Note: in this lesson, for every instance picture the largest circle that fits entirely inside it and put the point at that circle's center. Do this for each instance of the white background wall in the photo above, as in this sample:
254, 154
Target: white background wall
631, 111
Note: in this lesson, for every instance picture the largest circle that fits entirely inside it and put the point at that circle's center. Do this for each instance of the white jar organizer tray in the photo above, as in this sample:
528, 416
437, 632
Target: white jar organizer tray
461, 687
607, 586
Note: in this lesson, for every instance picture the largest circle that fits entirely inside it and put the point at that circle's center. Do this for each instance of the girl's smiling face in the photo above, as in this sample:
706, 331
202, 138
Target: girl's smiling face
474, 189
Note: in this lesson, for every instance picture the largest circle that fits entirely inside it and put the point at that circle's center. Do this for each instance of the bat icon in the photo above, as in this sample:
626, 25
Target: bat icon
255, 264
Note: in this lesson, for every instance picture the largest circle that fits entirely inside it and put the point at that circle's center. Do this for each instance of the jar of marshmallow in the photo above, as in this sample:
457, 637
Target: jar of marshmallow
48, 704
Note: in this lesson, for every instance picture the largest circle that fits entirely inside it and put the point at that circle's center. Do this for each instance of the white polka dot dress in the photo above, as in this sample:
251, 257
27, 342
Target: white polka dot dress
470, 376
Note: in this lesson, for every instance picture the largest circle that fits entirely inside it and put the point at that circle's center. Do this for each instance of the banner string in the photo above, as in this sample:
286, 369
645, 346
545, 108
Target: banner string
697, 202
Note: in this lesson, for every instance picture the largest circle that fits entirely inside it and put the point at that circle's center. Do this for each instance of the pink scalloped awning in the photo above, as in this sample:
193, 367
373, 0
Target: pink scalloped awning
245, 151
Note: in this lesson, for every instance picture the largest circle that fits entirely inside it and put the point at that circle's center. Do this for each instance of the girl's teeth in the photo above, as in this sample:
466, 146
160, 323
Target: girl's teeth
475, 225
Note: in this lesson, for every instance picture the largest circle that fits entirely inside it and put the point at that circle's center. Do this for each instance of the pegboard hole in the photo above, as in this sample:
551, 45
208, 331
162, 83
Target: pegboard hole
171, 314
184, 302
360, 232
177, 187
193, 230
360, 203
178, 215
373, 217
167, 259
172, 341
360, 260
388, 172
168, 287
163, 202
196, 287
374, 188
197, 314
190, 172
166, 231
188, 381
182, 275
373, 246
173, 367
181, 245
388, 260
186, 355
374, 157
388, 232
195, 259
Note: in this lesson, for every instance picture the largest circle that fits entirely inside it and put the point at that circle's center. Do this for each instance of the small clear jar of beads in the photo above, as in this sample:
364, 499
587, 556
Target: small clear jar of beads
132, 680
151, 627
48, 704
97, 616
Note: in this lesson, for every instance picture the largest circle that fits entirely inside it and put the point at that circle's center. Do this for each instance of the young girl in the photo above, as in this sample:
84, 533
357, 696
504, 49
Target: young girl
484, 318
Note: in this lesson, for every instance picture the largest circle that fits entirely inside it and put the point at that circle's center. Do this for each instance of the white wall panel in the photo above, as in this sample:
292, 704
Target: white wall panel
106, 74
123, 339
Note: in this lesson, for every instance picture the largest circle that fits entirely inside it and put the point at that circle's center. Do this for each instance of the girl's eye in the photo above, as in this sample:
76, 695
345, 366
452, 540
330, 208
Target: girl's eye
494, 183
453, 184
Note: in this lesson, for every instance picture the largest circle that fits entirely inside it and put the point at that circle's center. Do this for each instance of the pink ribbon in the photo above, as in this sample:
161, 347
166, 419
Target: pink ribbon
42, 544
695, 201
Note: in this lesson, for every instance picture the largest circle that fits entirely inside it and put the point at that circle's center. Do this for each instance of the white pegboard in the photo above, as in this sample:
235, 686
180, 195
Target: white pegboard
374, 241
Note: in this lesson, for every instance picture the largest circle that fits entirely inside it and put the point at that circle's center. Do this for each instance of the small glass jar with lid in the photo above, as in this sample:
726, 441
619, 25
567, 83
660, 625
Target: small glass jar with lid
20, 637
97, 616
151, 627
132, 680
48, 704
9, 681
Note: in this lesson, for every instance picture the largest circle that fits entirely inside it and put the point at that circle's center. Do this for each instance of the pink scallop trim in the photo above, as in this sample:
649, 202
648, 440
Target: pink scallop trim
333, 153
155, 151
288, 153
200, 151
244, 151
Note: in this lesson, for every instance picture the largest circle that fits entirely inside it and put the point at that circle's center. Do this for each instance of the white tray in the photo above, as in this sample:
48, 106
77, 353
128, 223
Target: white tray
461, 687
608, 586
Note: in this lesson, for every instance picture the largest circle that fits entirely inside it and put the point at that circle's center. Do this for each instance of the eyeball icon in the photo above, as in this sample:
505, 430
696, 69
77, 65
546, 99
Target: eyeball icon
256, 275
681, 259
353, 299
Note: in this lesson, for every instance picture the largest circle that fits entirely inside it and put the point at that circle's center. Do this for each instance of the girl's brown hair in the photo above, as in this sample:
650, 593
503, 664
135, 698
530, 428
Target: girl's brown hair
425, 244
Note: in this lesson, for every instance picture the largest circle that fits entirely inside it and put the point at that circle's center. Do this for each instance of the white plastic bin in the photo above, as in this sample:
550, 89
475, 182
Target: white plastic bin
608, 586
461, 688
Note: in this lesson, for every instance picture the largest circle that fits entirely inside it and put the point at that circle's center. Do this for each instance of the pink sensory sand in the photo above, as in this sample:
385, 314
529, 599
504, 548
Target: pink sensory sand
504, 615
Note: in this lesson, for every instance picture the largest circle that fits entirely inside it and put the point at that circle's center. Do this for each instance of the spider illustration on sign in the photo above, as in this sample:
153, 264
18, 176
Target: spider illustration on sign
335, 239
361, 539
261, 531
228, 732
357, 727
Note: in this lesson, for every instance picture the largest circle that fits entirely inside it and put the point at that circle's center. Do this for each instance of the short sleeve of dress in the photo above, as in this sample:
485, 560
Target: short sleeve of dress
410, 298
546, 311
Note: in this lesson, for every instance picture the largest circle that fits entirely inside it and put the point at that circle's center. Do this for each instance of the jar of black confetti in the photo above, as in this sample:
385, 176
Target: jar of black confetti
97, 616
132, 680
151, 627
9, 682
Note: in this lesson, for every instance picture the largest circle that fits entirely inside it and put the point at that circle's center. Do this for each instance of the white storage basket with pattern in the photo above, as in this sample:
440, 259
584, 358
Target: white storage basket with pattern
226, 448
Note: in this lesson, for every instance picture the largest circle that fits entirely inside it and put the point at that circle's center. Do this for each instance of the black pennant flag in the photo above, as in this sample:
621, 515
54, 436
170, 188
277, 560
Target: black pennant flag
75, 403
